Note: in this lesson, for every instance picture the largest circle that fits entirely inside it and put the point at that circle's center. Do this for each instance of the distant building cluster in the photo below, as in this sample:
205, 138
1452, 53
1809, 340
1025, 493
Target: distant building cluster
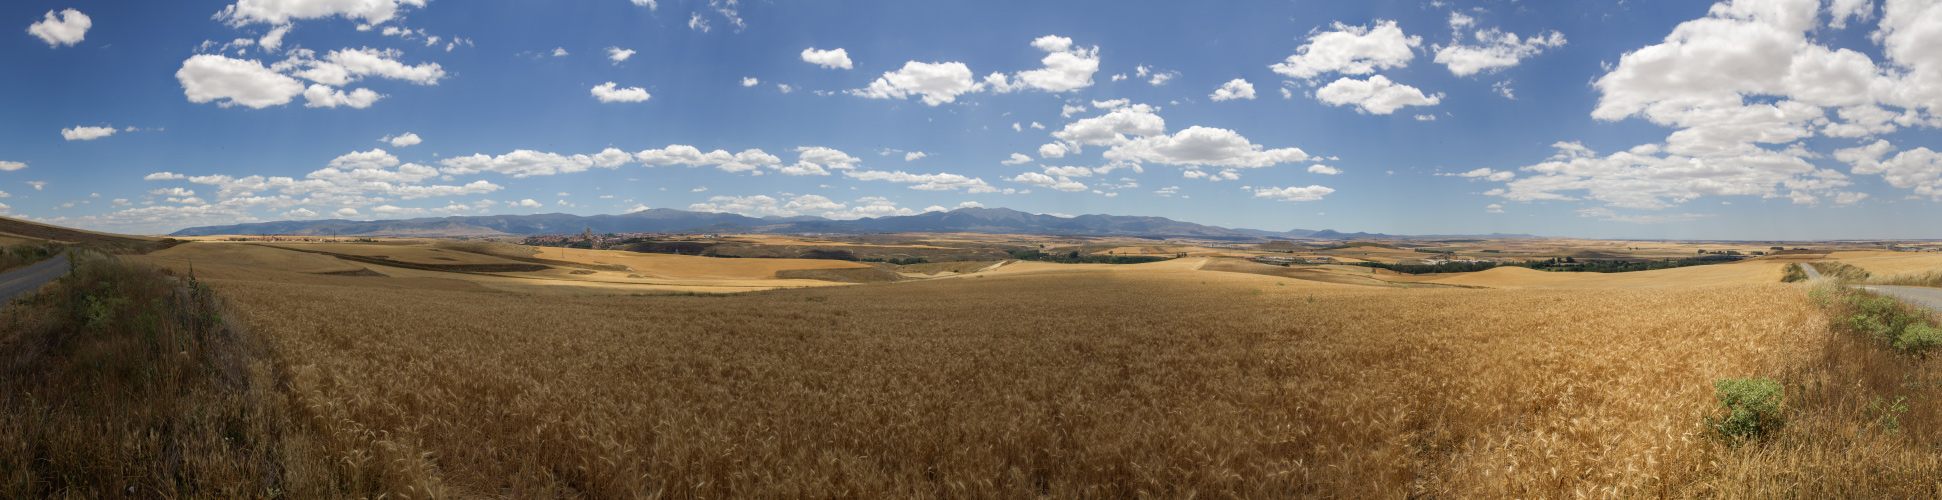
607, 239
272, 237
1434, 262
1916, 249
1291, 260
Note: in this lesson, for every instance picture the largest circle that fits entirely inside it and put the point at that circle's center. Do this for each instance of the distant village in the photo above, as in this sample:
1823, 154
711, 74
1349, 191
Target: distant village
590, 240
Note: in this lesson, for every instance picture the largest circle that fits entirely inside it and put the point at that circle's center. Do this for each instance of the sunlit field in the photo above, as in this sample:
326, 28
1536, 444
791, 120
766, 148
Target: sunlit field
1087, 381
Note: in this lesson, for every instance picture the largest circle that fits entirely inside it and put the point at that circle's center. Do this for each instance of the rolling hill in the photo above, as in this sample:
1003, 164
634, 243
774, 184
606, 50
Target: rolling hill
663, 220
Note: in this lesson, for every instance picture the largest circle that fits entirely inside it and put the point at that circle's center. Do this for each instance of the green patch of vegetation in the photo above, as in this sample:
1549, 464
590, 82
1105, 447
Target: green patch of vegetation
1793, 274
19, 256
1901, 327
1841, 272
1882, 320
1569, 264
1450, 267
1360, 244
1075, 257
897, 261
1752, 410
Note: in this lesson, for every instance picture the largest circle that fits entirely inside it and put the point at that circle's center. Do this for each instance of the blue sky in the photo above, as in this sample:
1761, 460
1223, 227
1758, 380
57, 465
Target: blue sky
1752, 119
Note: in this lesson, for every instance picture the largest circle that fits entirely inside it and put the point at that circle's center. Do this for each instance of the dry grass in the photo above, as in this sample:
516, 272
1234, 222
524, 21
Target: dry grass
1154, 381
1842, 272
1931, 279
122, 382
1860, 423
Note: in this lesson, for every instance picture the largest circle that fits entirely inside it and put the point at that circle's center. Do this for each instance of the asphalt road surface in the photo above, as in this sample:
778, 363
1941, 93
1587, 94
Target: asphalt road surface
26, 280
1926, 297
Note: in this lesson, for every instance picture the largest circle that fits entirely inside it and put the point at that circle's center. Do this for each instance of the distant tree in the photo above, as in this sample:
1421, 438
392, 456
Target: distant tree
1702, 251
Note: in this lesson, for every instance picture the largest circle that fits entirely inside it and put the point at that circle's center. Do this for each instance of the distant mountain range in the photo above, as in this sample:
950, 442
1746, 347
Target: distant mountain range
664, 220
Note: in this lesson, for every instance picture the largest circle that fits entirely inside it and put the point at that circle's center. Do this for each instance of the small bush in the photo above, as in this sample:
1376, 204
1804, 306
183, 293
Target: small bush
1918, 339
1752, 409
1793, 274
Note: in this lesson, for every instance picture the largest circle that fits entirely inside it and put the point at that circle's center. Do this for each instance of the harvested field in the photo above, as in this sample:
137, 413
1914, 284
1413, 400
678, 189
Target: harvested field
1745, 272
1150, 379
398, 253
692, 266
1304, 273
935, 268
1891, 263
254, 256
858, 275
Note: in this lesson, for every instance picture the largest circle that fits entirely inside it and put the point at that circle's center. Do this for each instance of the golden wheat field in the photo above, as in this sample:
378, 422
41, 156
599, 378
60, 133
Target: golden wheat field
1037, 380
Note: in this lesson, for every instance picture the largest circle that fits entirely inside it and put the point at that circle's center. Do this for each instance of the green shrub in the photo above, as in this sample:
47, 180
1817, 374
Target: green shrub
1918, 339
1752, 409
1900, 327
1793, 274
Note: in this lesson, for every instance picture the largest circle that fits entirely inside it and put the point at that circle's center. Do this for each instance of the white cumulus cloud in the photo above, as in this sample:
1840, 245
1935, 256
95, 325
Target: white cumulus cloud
1233, 89
617, 54
1310, 193
1352, 50
612, 92
1494, 50
1376, 95
937, 83
402, 140
1208, 146
1066, 67
832, 59
677, 154
68, 27
245, 12
86, 133
209, 77
322, 96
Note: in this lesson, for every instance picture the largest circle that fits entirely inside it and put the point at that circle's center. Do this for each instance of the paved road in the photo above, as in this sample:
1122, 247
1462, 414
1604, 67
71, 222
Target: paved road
1812, 274
26, 280
1926, 297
